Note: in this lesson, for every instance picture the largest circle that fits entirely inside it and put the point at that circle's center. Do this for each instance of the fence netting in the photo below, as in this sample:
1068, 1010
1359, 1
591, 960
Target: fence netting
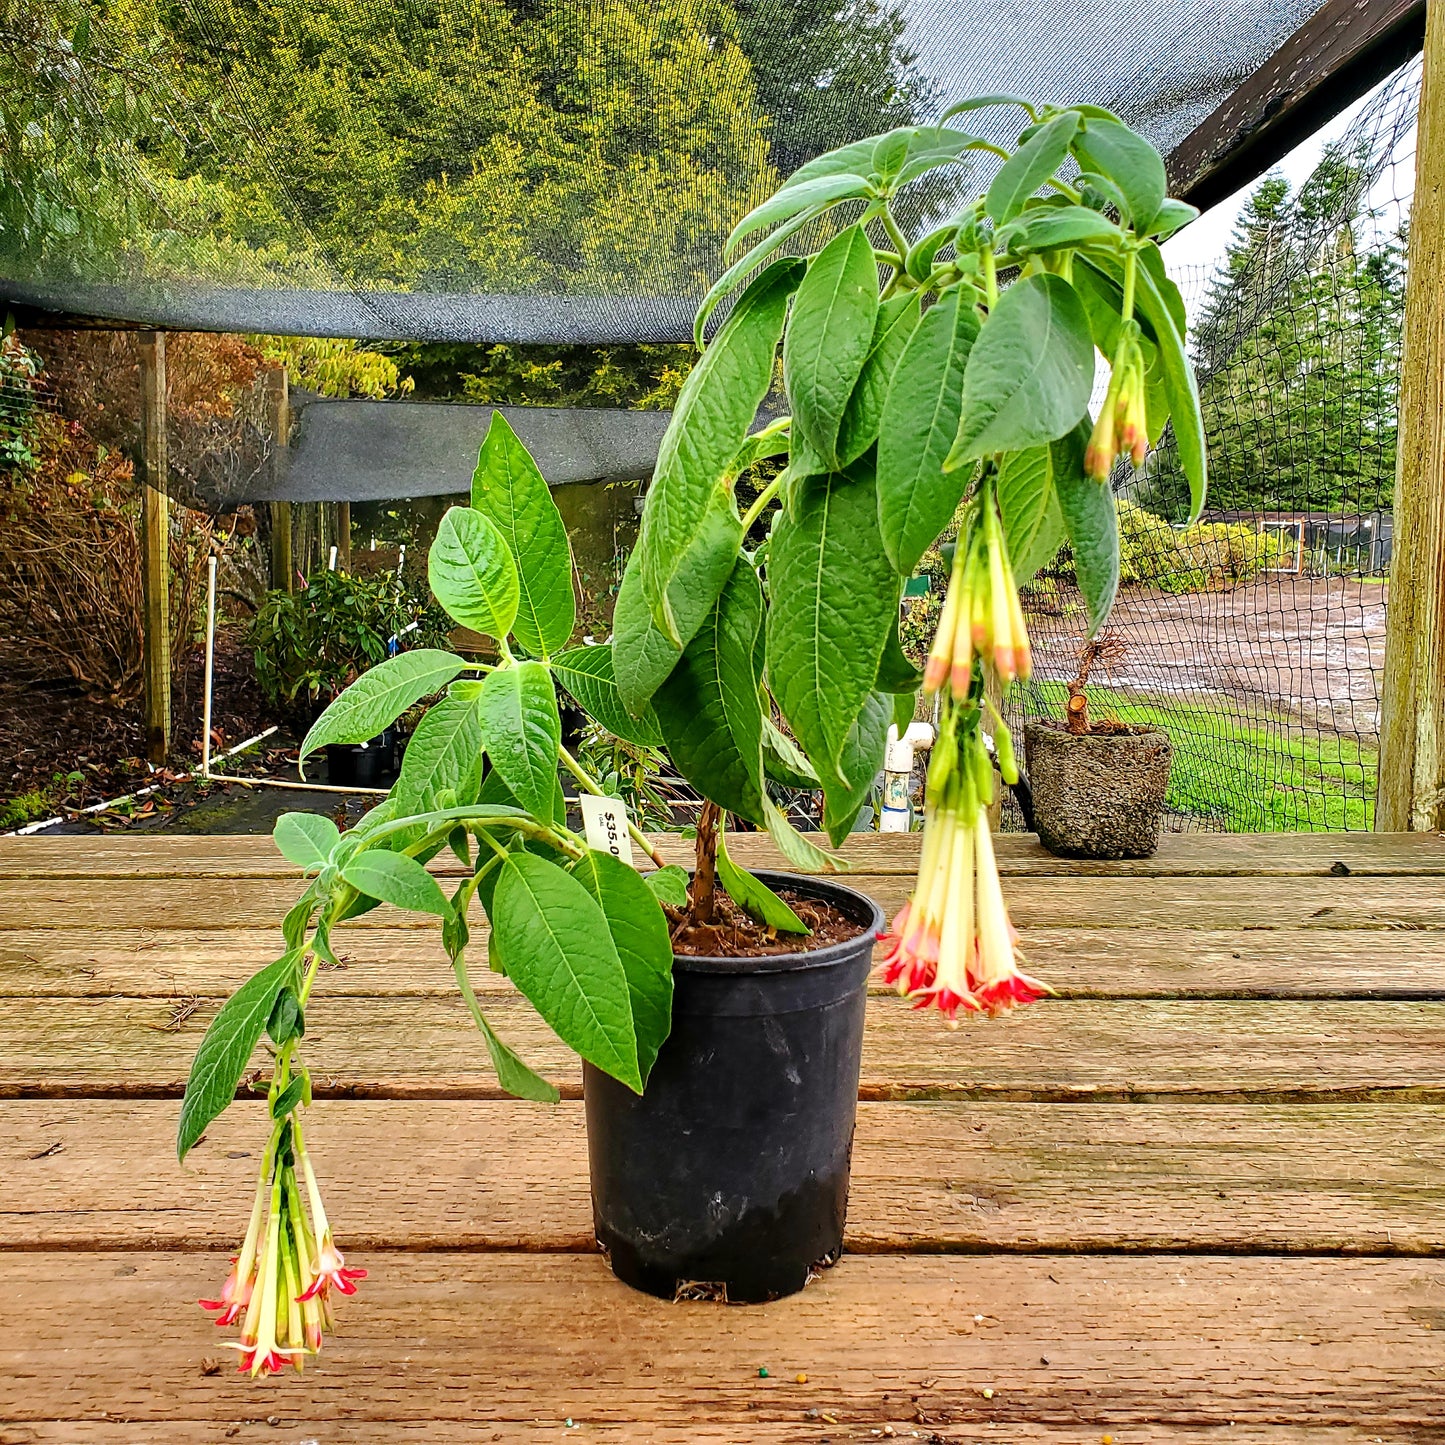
1256, 637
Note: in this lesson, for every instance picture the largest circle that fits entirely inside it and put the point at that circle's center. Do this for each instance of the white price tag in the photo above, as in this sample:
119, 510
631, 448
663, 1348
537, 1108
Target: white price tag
605, 822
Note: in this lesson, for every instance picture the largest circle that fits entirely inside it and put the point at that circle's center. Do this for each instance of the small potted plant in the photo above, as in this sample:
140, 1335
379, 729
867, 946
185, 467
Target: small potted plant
1098, 785
719, 1016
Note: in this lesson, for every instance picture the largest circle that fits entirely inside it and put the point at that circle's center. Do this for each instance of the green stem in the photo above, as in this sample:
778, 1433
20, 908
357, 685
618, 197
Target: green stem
895, 234
1131, 262
990, 276
585, 780
762, 499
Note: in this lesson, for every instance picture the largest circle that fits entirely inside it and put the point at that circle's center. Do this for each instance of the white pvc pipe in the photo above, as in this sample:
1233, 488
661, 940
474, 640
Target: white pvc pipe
210, 664
331, 565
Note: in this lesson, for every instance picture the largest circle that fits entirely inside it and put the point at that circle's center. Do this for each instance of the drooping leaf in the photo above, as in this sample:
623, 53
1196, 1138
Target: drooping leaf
444, 754
396, 879
669, 885
642, 654
690, 528
1172, 217
227, 1047
510, 491
305, 839
1024, 486
1048, 227
1126, 158
785, 204
472, 573
587, 673
801, 852
556, 946
708, 709
896, 673
744, 266
861, 760
783, 759
518, 1078
1092, 525
896, 321
920, 419
829, 337
378, 697
984, 102
1030, 372
1030, 166
834, 599
639, 931
754, 896
522, 732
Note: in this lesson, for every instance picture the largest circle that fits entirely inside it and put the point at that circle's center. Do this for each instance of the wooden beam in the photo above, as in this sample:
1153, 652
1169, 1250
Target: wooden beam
1326, 65
155, 547
283, 568
1412, 725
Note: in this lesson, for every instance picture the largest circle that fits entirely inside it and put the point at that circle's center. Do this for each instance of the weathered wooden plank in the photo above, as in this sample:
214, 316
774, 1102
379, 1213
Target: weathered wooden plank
1077, 962
940, 1341
936, 1177
1339, 52
1182, 903
1099, 1050
134, 856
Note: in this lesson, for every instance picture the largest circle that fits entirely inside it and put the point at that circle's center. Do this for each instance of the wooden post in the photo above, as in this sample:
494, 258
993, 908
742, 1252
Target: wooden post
343, 536
1412, 722
283, 568
155, 547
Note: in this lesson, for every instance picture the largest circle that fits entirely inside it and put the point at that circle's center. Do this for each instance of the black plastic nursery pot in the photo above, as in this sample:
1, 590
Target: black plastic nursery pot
363, 765
728, 1177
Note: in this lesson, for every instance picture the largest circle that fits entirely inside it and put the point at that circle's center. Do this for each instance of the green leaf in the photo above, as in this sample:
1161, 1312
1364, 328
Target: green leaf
639, 931
227, 1048
785, 204
1030, 372
298, 919
904, 706
1048, 227
286, 1020
444, 754
829, 337
984, 102
690, 526
743, 267
517, 1078
522, 732
783, 759
396, 879
305, 839
642, 654
1092, 525
494, 790
754, 896
556, 947
895, 672
587, 673
896, 321
801, 852
834, 600
1030, 166
1173, 216
1126, 158
472, 573
288, 1098
1024, 486
920, 418
378, 697
509, 490
708, 709
669, 884
861, 760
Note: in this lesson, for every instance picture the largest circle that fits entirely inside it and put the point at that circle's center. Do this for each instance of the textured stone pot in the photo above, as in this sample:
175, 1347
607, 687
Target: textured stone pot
1100, 795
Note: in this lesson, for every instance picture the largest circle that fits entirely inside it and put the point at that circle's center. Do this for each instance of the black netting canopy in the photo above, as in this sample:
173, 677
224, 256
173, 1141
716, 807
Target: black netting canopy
507, 170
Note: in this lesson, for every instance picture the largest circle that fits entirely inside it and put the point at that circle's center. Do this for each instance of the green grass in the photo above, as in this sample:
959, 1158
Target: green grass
1246, 770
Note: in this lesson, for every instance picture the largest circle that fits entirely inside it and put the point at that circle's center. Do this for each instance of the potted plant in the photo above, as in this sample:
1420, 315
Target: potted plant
719, 1017
1098, 786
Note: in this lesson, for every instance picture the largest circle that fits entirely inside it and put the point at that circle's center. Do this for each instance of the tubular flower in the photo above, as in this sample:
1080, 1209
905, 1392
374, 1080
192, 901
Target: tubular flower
982, 617
1123, 424
279, 1282
952, 947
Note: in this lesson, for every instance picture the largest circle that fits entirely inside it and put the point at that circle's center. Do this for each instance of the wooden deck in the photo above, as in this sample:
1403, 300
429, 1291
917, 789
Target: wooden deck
1199, 1197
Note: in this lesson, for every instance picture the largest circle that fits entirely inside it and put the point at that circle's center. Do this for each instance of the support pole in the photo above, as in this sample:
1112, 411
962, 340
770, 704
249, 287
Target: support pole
343, 535
283, 568
210, 665
1412, 722
155, 548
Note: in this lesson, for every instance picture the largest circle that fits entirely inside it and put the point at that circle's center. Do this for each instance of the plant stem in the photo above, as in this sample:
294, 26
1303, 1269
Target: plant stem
763, 498
584, 780
895, 234
1131, 263
990, 276
704, 878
